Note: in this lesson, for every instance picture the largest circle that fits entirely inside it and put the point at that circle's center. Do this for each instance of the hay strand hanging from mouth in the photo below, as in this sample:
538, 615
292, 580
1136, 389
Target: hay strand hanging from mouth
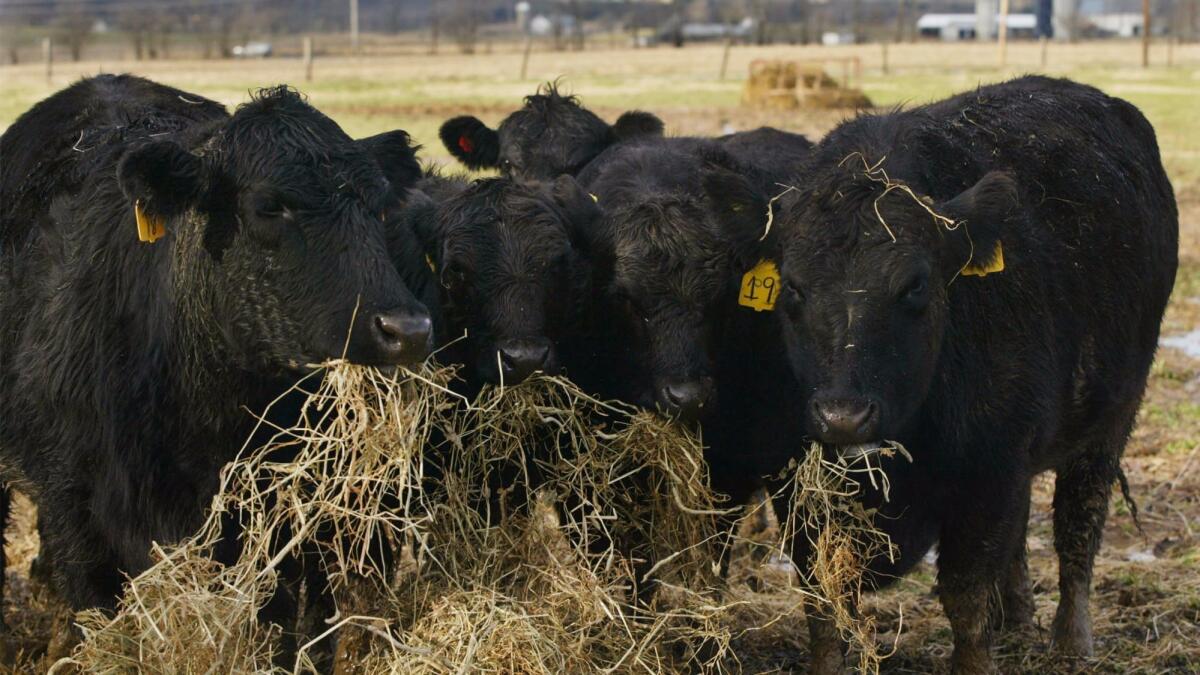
826, 510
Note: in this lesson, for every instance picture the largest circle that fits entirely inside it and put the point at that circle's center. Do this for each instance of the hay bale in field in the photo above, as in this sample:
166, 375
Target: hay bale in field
514, 525
786, 85
771, 84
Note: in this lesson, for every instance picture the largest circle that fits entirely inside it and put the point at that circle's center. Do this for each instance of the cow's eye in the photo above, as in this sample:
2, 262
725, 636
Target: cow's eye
792, 292
916, 293
268, 224
270, 208
454, 277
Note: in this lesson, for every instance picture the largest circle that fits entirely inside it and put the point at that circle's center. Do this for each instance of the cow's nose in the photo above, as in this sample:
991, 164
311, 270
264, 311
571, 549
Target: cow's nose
685, 399
845, 421
401, 336
521, 358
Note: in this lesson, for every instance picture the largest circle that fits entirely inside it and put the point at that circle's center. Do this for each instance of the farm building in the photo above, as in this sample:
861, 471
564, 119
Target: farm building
951, 27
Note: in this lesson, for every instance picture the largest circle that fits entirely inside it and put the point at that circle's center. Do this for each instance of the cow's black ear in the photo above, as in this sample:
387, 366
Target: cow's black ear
161, 180
471, 142
637, 123
980, 214
581, 209
741, 208
396, 155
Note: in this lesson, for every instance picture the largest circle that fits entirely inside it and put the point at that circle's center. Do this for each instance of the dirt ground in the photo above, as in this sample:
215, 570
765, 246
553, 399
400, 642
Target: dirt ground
1146, 599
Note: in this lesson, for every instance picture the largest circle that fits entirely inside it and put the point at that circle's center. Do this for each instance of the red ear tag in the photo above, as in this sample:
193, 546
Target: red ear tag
465, 144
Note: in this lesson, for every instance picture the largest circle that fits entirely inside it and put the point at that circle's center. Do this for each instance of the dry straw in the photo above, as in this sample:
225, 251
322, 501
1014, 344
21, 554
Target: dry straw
534, 530
841, 534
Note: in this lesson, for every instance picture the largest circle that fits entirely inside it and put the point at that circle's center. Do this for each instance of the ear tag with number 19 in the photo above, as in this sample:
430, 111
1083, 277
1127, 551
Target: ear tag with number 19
760, 287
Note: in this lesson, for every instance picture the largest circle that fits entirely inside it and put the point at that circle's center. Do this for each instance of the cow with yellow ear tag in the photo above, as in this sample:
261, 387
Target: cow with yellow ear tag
982, 280
167, 270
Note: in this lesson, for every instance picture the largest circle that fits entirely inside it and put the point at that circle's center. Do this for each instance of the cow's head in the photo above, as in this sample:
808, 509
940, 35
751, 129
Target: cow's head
510, 258
678, 231
280, 215
868, 266
551, 135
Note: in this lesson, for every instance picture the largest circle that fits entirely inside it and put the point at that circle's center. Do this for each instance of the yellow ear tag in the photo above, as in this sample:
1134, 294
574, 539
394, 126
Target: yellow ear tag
429, 261
150, 229
760, 287
996, 264
594, 197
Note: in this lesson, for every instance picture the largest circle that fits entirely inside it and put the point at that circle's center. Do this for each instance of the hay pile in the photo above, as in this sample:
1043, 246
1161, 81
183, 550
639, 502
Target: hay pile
771, 85
534, 530
787, 85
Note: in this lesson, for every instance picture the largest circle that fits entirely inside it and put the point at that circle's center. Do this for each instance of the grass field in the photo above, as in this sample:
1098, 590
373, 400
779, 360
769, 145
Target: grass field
1147, 600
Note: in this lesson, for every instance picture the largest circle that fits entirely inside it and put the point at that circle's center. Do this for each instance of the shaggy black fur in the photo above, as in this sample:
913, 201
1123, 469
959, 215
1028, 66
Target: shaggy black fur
551, 135
986, 380
778, 154
129, 371
511, 259
681, 223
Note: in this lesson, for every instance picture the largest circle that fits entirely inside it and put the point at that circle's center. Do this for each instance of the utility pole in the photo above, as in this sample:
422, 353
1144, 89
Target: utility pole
354, 26
1003, 28
1145, 33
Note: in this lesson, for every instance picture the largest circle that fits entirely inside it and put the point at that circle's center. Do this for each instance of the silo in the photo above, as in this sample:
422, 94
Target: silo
1065, 19
985, 19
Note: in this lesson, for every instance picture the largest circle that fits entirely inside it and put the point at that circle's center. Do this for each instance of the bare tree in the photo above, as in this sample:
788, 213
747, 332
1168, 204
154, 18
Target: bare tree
463, 24
435, 22
136, 24
577, 16
10, 37
73, 27
759, 11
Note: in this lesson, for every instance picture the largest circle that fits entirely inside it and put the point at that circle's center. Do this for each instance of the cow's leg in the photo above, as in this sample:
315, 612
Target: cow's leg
1016, 607
86, 570
5, 502
1081, 493
975, 546
41, 568
826, 648
740, 489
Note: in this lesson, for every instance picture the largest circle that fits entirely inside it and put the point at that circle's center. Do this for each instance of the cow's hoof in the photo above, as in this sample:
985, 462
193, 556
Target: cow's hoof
1013, 614
1072, 636
976, 661
827, 662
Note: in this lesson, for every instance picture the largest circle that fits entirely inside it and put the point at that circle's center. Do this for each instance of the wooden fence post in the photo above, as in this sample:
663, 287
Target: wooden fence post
725, 57
525, 56
48, 56
308, 58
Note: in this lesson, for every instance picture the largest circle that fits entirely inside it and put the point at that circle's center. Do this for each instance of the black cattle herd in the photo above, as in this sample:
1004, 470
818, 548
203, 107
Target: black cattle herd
980, 279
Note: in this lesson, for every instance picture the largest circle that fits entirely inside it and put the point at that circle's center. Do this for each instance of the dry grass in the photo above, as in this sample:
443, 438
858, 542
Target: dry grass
523, 531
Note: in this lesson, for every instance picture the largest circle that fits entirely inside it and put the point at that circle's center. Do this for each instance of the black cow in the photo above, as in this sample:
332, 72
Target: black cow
778, 154
551, 135
128, 369
682, 222
982, 279
514, 277
681, 228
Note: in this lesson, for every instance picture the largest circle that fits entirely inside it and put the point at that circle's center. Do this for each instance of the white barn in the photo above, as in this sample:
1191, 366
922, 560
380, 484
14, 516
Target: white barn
962, 26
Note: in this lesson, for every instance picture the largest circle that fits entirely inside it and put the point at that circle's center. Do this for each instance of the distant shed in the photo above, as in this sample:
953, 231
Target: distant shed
953, 27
